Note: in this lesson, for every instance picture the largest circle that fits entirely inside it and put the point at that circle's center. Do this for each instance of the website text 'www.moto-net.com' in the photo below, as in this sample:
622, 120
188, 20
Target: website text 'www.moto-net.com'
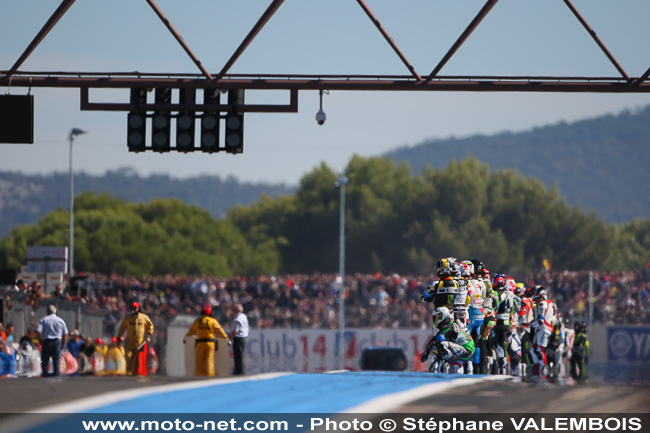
187, 425
398, 424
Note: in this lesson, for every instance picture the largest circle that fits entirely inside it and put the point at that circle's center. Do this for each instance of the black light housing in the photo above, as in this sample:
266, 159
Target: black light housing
210, 120
161, 123
235, 122
185, 123
137, 122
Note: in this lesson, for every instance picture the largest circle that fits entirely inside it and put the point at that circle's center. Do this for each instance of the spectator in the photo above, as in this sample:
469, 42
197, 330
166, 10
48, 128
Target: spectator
110, 321
87, 347
29, 340
9, 333
36, 295
21, 286
100, 347
86, 354
74, 344
115, 363
60, 294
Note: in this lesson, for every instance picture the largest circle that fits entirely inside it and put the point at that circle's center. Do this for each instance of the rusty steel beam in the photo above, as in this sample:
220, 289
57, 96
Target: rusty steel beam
595, 37
266, 16
178, 37
346, 77
465, 84
291, 107
463, 37
49, 25
390, 41
643, 77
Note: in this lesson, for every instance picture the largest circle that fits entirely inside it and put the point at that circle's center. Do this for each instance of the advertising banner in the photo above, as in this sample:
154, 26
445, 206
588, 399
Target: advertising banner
47, 253
46, 260
630, 343
314, 350
49, 266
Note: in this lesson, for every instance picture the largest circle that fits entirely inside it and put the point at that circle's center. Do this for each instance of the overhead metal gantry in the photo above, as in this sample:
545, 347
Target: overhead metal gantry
413, 81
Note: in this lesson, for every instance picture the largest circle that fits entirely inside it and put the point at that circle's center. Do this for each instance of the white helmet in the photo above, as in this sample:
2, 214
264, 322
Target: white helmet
440, 316
466, 269
455, 266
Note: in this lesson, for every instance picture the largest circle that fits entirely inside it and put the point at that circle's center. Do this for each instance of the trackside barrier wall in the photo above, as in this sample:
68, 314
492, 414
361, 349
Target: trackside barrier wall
598, 342
309, 350
313, 350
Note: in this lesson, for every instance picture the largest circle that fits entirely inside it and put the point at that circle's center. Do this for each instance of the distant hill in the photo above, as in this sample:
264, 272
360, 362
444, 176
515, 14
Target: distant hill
600, 164
25, 199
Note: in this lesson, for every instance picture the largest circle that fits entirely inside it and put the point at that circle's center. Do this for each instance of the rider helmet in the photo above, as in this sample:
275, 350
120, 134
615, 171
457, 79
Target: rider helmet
540, 292
520, 290
511, 284
443, 268
441, 316
499, 282
455, 266
467, 266
478, 267
467, 269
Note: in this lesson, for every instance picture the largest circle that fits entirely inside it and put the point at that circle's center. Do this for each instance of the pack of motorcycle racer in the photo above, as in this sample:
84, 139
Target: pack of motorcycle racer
485, 325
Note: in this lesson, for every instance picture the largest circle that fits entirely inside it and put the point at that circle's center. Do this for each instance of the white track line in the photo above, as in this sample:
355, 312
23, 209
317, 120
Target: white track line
387, 402
379, 404
112, 397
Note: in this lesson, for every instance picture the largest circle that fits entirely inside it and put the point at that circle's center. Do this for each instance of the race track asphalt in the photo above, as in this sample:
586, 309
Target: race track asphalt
27, 394
511, 397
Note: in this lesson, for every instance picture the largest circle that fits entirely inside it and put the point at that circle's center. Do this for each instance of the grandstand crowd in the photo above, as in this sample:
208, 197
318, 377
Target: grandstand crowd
372, 300
311, 300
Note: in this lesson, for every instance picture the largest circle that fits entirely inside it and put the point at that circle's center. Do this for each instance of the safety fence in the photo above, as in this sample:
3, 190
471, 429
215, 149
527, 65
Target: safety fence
77, 315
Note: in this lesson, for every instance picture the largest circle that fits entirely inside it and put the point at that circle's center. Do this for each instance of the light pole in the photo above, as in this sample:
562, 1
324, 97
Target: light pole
341, 181
71, 136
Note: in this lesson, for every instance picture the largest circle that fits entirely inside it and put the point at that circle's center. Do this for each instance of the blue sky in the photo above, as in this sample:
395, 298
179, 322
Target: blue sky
519, 37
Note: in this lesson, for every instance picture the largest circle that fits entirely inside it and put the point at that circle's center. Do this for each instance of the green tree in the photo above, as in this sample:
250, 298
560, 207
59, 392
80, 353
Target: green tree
311, 227
395, 222
633, 245
165, 236
378, 199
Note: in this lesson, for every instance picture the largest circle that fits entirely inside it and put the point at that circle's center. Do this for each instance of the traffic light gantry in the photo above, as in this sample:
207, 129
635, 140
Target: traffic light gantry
183, 115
